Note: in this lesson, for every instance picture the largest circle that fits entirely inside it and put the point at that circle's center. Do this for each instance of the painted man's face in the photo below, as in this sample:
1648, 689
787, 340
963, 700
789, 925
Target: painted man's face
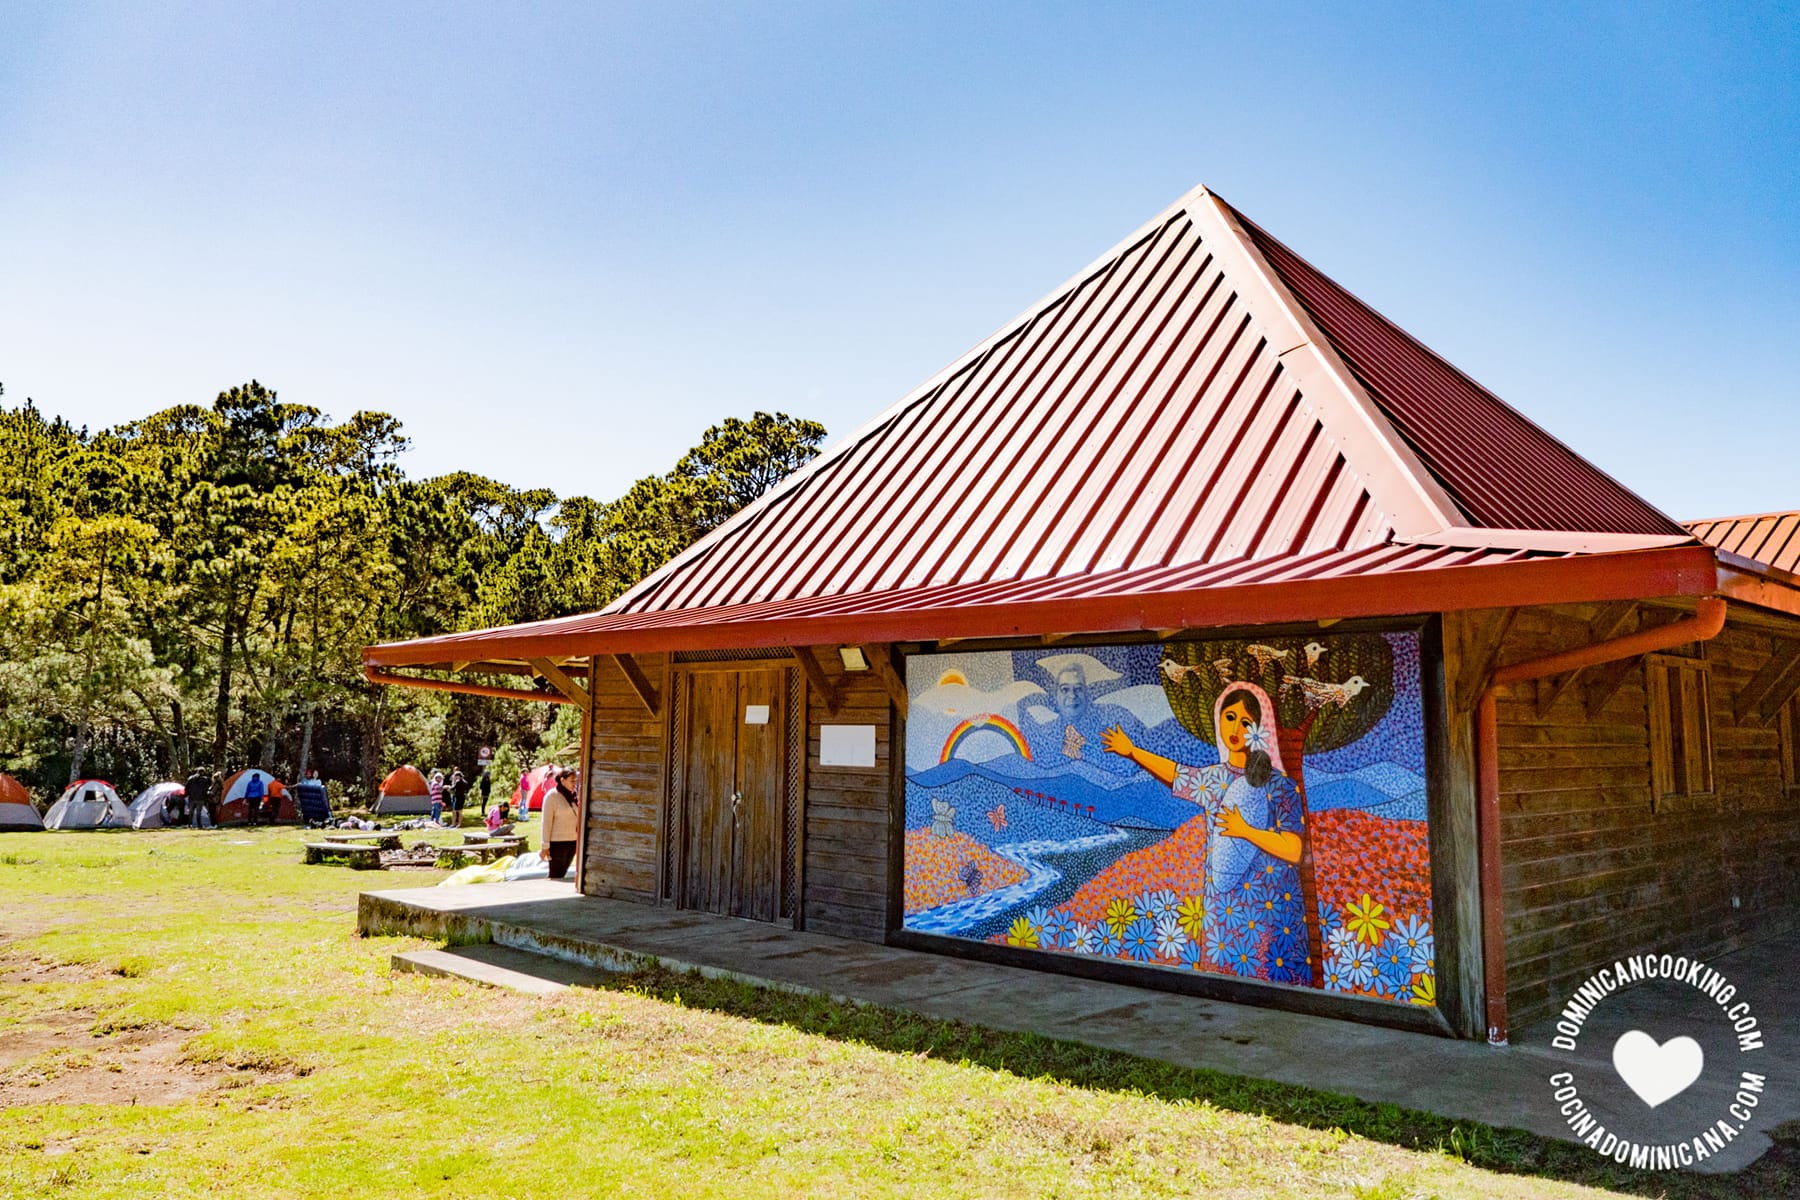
1071, 692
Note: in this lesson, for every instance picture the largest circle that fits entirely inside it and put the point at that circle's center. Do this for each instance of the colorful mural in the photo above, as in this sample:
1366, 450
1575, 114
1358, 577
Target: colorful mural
1253, 808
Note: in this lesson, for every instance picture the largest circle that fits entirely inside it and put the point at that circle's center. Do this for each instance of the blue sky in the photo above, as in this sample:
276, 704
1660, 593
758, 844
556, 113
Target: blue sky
560, 242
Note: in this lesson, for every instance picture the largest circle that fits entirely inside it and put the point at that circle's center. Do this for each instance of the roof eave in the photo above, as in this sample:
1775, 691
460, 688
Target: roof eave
1637, 574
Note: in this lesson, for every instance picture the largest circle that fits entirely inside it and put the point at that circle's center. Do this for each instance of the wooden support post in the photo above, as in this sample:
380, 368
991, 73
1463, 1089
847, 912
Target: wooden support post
560, 680
883, 664
815, 675
1483, 653
1783, 656
640, 682
1603, 681
1780, 693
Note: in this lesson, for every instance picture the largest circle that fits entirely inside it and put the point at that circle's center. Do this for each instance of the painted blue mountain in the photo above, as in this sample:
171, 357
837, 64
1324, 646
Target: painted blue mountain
1152, 804
1351, 792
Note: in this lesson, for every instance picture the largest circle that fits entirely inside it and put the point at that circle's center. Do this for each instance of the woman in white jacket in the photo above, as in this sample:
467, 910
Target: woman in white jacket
562, 822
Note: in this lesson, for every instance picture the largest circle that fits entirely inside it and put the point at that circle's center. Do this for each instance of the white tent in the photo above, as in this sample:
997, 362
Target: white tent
88, 804
18, 817
147, 805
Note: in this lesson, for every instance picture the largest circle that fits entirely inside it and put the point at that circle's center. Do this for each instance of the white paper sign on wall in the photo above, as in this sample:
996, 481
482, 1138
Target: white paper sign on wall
756, 714
846, 745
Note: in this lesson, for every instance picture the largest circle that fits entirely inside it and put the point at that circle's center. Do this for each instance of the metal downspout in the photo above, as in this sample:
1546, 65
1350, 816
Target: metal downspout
1704, 625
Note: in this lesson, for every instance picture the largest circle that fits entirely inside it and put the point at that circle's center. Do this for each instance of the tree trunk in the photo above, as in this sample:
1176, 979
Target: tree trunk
1292, 742
178, 741
306, 742
222, 715
82, 730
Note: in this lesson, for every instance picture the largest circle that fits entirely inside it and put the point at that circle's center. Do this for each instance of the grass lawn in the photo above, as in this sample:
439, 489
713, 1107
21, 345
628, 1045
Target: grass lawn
192, 1014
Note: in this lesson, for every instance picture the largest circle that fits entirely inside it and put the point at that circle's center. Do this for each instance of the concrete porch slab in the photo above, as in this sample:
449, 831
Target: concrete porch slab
1501, 1086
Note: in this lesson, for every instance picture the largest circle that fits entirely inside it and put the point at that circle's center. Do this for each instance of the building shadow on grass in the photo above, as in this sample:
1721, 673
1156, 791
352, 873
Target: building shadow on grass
1031, 1056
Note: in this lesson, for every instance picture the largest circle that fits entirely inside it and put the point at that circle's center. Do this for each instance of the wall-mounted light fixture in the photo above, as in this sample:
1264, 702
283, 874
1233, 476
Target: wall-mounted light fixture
854, 659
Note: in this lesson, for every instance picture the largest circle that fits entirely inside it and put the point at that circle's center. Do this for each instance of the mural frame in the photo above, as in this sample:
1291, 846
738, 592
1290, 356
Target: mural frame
1450, 812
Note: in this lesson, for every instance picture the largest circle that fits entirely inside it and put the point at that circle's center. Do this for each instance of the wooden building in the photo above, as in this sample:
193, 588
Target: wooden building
1199, 628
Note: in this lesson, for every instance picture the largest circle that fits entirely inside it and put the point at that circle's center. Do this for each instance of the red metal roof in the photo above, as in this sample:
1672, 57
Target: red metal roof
1373, 581
1769, 538
1196, 411
1502, 470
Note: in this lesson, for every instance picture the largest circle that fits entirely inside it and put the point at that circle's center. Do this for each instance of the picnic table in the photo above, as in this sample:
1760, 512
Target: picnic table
485, 851
386, 841
357, 854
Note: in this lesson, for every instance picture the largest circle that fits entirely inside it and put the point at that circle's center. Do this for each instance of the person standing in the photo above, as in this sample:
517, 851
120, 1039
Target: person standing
487, 786
436, 787
562, 822
254, 791
459, 795
199, 791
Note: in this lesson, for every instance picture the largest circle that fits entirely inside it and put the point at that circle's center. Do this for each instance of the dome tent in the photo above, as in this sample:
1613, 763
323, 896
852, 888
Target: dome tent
88, 804
404, 793
147, 806
16, 810
536, 784
234, 807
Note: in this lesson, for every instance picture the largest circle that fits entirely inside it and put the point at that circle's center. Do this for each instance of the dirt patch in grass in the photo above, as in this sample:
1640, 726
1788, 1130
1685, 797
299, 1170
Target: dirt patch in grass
59, 1059
43, 970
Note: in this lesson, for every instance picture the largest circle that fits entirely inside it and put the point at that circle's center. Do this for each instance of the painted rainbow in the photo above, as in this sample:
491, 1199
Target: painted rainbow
975, 725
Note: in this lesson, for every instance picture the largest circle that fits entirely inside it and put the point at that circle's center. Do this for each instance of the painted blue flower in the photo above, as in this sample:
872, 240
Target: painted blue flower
1222, 943
1357, 962
1140, 939
1414, 933
1170, 936
1107, 943
1330, 917
1234, 914
1194, 955
1393, 975
1244, 959
1287, 959
1160, 903
1057, 929
1332, 977
1038, 916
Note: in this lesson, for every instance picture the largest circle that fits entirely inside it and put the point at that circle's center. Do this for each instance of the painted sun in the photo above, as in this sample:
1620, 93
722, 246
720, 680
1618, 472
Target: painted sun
950, 677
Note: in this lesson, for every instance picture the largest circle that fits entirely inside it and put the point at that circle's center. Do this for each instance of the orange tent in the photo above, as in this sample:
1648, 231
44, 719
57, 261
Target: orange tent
404, 792
12, 791
16, 811
234, 807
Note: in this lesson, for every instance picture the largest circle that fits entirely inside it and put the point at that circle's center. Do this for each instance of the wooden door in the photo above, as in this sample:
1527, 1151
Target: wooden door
733, 791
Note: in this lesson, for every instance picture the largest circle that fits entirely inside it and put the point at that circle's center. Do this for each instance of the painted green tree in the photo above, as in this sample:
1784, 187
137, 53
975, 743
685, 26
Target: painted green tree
1329, 690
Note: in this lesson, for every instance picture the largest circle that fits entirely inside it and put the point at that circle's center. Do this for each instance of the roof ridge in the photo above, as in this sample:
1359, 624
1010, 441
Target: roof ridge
1411, 496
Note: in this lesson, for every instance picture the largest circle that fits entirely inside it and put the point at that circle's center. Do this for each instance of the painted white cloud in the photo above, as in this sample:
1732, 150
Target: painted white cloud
1146, 702
961, 701
1040, 714
1096, 671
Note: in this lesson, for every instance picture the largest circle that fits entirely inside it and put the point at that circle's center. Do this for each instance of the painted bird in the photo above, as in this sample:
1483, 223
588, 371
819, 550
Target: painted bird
1223, 667
1176, 671
1264, 655
1318, 695
1314, 652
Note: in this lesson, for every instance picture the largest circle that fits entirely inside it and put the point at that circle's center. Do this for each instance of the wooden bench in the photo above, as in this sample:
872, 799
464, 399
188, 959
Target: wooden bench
386, 841
356, 854
481, 852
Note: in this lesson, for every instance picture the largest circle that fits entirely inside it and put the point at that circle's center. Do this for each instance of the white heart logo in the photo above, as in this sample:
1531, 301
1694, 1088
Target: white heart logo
1657, 1073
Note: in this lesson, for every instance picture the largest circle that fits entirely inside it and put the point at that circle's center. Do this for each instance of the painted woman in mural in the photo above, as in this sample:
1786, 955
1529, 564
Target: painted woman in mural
1255, 919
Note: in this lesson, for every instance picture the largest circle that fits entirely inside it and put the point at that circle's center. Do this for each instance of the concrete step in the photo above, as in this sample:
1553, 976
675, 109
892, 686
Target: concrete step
501, 966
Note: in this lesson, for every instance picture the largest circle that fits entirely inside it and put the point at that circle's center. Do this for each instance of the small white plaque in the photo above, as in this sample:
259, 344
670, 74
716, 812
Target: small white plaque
756, 714
846, 745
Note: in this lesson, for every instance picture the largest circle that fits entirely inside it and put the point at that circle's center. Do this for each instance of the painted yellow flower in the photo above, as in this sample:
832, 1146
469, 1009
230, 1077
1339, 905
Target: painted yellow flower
1366, 921
1191, 912
1424, 991
1120, 912
1022, 933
